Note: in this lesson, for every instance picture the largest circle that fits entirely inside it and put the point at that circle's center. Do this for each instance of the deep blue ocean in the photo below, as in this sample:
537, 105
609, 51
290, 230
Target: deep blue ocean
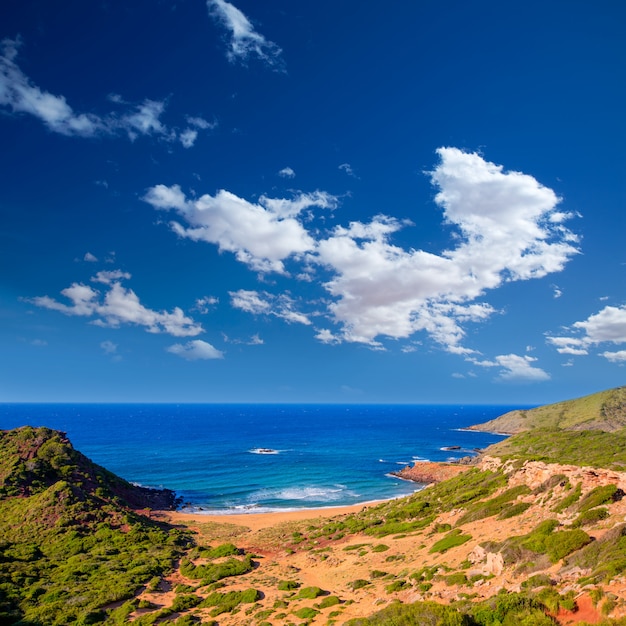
257, 458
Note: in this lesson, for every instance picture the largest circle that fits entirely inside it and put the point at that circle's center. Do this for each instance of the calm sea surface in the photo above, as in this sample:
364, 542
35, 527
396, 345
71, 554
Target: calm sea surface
256, 458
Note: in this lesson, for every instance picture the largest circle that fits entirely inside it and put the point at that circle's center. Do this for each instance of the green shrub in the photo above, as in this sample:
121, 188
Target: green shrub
413, 614
452, 539
306, 613
288, 585
569, 499
482, 509
458, 578
310, 592
213, 572
397, 585
516, 509
359, 583
328, 601
538, 580
561, 544
597, 496
226, 602
591, 516
185, 602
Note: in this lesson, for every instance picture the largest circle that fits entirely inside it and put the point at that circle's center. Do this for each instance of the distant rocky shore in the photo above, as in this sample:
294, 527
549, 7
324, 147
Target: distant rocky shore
428, 472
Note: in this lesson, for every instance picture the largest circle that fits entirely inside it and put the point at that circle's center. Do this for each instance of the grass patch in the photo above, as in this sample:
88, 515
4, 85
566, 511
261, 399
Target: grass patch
451, 540
227, 602
585, 447
494, 506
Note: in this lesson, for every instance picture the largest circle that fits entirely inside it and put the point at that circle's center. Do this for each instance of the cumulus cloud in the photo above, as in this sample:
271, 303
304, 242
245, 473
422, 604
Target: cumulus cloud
615, 357
606, 326
516, 368
21, 95
245, 41
204, 305
118, 306
90, 258
262, 235
287, 172
508, 229
263, 303
196, 350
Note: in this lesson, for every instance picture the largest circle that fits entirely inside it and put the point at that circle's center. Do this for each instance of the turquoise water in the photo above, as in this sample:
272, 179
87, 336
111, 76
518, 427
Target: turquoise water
257, 458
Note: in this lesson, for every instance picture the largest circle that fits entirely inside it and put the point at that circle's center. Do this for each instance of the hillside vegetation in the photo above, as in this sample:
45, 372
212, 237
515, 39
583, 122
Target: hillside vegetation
604, 411
530, 536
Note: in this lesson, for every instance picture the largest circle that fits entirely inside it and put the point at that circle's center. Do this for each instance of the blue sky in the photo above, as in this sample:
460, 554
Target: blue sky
416, 202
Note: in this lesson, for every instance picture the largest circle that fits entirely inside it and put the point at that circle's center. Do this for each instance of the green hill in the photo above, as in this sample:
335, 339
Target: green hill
71, 538
604, 411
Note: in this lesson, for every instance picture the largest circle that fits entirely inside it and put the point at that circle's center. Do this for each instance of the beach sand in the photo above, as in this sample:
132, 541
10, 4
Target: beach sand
259, 521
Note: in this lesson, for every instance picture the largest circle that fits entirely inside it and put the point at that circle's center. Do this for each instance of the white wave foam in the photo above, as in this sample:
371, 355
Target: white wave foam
312, 493
263, 451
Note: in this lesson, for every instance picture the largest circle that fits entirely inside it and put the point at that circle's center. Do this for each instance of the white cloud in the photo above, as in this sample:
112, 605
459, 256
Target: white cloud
507, 227
347, 168
250, 302
516, 368
204, 305
118, 306
90, 258
281, 306
245, 41
189, 135
615, 357
109, 347
287, 172
196, 350
261, 235
255, 340
505, 233
606, 326
21, 95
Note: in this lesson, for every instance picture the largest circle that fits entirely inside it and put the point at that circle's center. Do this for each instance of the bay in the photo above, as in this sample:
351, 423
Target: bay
235, 458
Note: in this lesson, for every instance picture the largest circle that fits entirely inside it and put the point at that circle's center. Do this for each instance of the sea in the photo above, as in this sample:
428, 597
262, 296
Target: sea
254, 458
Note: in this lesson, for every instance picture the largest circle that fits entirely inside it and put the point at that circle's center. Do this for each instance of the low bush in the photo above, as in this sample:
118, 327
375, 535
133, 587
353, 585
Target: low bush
306, 613
328, 601
310, 593
451, 540
494, 506
288, 585
592, 516
226, 602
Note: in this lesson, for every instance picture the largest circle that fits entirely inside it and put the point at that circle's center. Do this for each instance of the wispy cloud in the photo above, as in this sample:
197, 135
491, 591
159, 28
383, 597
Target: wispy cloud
117, 306
196, 350
108, 347
347, 168
516, 368
21, 95
606, 326
245, 41
263, 303
287, 172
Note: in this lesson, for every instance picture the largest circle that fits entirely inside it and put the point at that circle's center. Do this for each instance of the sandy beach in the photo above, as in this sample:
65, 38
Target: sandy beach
259, 521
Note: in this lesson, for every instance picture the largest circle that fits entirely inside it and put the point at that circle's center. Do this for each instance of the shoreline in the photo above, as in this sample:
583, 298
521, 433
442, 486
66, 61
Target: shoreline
258, 521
